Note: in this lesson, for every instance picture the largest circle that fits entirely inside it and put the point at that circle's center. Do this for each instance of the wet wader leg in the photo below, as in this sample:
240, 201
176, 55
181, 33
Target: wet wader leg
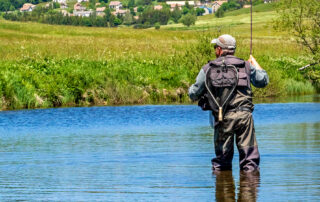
246, 143
224, 149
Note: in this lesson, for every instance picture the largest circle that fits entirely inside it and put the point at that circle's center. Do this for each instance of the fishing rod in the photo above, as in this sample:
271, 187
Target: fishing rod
251, 26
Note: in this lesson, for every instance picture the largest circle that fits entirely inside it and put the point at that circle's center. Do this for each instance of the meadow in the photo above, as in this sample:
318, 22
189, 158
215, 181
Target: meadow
51, 66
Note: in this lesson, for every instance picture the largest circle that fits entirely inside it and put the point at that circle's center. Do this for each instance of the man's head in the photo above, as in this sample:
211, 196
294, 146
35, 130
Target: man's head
224, 45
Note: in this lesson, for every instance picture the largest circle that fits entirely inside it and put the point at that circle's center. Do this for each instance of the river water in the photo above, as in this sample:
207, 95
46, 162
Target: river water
153, 153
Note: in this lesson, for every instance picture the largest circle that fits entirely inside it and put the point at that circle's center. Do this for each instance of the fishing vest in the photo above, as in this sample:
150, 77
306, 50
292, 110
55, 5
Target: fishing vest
227, 85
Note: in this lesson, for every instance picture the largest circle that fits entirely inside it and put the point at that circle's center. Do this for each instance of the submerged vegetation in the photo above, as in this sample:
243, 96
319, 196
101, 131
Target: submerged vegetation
49, 66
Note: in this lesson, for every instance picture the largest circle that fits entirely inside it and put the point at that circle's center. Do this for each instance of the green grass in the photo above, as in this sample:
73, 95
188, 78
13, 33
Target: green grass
49, 66
257, 8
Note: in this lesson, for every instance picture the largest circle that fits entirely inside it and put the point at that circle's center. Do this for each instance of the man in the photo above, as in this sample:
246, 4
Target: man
236, 117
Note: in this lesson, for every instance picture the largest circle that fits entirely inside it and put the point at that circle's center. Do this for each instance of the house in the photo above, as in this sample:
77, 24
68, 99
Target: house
79, 1
82, 13
180, 3
27, 7
117, 5
207, 10
216, 5
79, 7
63, 5
173, 6
120, 12
100, 11
60, 1
267, 1
64, 13
157, 7
246, 6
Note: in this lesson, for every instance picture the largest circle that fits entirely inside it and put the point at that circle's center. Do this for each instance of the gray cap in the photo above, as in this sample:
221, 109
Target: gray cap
225, 41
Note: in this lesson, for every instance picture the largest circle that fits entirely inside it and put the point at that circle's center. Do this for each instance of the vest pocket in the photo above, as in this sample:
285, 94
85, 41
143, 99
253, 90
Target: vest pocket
243, 80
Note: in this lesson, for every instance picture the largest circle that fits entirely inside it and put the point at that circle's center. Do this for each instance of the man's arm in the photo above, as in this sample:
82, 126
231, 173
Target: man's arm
196, 89
259, 77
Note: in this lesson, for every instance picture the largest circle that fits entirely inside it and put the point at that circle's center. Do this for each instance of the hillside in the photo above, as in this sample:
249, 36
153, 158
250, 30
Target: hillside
49, 66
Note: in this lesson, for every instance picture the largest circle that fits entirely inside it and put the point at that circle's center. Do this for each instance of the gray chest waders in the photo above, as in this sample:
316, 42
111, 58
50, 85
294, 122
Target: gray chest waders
222, 79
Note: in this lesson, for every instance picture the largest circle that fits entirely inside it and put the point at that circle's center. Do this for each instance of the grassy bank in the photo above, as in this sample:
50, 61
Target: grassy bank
49, 66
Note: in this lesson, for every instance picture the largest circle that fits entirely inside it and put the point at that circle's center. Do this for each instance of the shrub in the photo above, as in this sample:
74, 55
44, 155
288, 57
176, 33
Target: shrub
188, 19
157, 25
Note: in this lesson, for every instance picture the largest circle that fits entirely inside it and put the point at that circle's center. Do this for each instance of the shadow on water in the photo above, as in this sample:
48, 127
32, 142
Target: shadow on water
247, 189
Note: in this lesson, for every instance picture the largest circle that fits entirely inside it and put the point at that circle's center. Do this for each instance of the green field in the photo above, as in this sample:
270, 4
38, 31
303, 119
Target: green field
50, 66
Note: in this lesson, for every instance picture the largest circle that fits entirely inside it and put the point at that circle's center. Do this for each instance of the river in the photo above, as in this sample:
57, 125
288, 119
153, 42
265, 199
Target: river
154, 153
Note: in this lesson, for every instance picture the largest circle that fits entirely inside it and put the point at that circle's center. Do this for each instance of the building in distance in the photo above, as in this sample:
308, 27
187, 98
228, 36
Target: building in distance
100, 11
115, 5
27, 7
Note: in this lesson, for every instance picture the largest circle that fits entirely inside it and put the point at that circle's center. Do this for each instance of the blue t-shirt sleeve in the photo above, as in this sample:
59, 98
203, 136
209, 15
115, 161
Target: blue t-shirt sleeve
197, 89
259, 78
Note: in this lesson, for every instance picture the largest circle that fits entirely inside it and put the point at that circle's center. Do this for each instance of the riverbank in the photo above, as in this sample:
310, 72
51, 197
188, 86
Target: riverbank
51, 66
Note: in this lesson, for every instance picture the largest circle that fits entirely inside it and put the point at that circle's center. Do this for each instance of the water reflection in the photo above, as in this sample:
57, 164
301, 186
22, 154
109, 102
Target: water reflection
304, 98
247, 189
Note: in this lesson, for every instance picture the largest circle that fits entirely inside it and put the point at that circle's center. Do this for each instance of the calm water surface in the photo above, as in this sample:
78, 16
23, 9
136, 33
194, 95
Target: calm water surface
153, 153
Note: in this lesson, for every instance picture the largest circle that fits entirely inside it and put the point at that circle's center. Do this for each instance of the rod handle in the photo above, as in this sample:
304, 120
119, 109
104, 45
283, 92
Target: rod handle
220, 114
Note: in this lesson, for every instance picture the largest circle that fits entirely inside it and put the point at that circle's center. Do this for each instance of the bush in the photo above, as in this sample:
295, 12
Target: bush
219, 13
188, 19
141, 26
170, 22
157, 25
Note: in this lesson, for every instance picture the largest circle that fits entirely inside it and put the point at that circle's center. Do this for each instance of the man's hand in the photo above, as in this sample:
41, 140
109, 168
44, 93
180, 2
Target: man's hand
253, 61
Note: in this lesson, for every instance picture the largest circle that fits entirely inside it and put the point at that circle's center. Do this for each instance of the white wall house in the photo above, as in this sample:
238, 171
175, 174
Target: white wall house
216, 5
79, 7
27, 7
115, 5
120, 12
82, 13
100, 11
60, 1
180, 3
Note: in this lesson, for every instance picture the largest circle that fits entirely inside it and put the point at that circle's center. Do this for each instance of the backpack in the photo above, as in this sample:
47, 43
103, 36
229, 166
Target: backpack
223, 76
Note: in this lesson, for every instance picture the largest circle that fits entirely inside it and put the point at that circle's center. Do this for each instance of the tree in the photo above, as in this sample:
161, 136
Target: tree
200, 11
117, 21
107, 14
157, 25
302, 19
176, 14
5, 5
188, 19
140, 9
219, 13
131, 3
132, 12
128, 18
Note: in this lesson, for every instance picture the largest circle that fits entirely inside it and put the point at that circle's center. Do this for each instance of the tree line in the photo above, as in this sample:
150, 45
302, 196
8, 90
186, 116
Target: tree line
11, 5
234, 5
148, 17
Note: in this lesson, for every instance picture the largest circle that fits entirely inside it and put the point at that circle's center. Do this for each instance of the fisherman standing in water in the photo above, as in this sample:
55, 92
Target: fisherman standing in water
223, 86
